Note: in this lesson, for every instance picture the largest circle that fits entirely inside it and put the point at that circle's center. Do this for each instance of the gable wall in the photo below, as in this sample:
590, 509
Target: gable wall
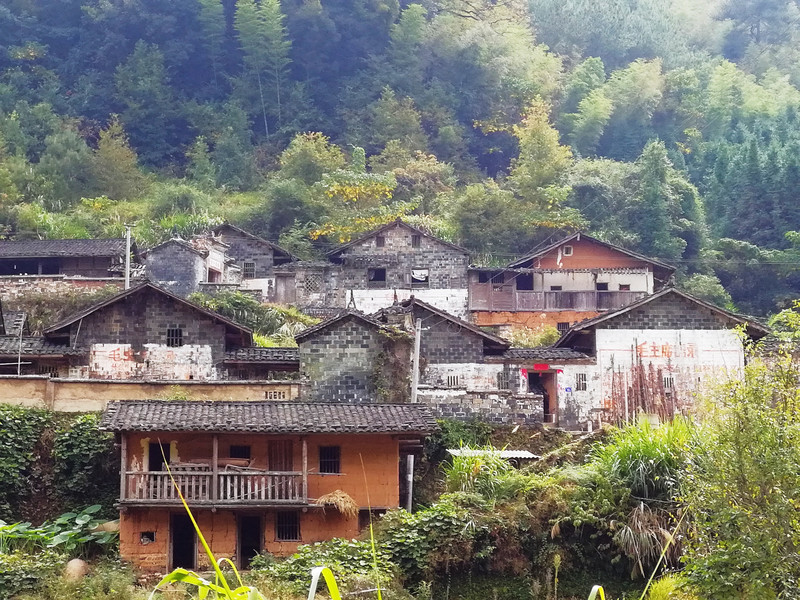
443, 341
585, 255
668, 312
243, 248
176, 268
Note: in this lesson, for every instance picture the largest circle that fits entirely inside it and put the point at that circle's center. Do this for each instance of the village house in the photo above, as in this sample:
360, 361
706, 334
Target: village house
183, 267
257, 475
576, 278
57, 266
139, 341
265, 267
392, 262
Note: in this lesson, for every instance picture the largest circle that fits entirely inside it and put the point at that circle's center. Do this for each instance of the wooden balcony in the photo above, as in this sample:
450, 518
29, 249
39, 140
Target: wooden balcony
203, 487
504, 297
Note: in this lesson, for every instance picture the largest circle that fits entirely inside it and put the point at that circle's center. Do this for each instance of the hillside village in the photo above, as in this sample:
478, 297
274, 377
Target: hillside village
409, 332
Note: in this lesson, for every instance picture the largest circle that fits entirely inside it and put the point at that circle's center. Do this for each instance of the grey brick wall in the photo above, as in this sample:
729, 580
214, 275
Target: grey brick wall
244, 248
447, 266
444, 342
668, 312
500, 408
176, 268
351, 361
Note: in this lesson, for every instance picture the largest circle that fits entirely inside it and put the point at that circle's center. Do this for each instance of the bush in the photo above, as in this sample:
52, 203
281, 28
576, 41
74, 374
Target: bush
107, 581
24, 572
20, 430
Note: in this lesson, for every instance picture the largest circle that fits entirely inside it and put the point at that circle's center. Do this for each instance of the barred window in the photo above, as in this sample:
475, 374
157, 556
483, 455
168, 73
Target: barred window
312, 283
380, 241
562, 326
174, 336
503, 380
454, 381
287, 526
416, 239
580, 382
330, 459
669, 384
249, 269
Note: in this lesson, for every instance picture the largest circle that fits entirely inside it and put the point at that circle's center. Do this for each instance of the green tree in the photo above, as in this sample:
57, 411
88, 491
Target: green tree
265, 44
200, 168
66, 164
212, 20
115, 165
397, 119
309, 156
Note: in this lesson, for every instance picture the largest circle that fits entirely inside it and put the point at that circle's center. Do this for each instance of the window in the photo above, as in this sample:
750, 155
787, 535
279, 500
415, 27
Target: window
454, 381
330, 459
45, 369
287, 526
580, 382
420, 278
174, 336
312, 283
415, 240
502, 380
249, 269
562, 326
239, 452
147, 537
555, 288
624, 287
380, 241
567, 251
669, 384
376, 278
601, 287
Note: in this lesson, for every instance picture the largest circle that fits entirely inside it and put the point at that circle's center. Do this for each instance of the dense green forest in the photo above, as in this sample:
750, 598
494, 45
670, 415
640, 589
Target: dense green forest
671, 127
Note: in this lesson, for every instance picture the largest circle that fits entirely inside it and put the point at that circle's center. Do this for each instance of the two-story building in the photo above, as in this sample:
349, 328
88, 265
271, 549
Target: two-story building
255, 474
576, 278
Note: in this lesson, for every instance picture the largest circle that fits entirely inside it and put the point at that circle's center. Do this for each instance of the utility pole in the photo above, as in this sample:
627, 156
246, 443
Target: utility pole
127, 256
415, 365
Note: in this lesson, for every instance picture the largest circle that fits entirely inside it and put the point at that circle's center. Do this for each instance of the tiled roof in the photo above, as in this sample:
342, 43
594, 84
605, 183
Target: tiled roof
263, 355
254, 237
344, 314
35, 346
395, 223
266, 417
543, 353
13, 321
72, 248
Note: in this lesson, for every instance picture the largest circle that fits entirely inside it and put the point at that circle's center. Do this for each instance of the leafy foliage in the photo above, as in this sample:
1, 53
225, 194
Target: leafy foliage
20, 430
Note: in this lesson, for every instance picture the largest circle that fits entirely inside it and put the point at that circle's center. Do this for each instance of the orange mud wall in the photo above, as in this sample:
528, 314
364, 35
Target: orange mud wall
587, 255
532, 320
375, 484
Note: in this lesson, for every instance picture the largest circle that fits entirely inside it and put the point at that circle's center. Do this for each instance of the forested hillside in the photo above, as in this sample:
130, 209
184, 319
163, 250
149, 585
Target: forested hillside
671, 127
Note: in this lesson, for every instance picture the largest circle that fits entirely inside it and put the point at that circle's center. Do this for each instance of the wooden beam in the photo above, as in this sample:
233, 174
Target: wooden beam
123, 466
305, 470
214, 467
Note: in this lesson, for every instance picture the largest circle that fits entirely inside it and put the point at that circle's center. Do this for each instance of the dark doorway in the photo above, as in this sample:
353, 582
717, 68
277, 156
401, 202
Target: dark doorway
544, 383
184, 542
249, 536
156, 458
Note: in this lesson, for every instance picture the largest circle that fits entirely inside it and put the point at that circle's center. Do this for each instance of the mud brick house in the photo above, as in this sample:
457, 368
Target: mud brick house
653, 356
266, 267
184, 266
576, 278
397, 261
353, 358
254, 473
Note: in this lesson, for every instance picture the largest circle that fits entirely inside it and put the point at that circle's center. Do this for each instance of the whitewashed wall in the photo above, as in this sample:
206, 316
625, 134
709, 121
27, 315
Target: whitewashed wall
576, 281
453, 301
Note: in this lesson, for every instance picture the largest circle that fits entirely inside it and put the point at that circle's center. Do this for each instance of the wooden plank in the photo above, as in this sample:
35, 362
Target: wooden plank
214, 467
305, 468
124, 464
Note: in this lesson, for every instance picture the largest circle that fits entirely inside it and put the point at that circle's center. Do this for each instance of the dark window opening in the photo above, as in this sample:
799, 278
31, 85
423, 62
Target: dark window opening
287, 526
174, 336
624, 287
581, 384
376, 278
567, 251
156, 455
147, 537
249, 539
562, 326
330, 459
214, 276
555, 288
525, 281
380, 241
239, 452
503, 380
491, 277
601, 287
416, 240
249, 269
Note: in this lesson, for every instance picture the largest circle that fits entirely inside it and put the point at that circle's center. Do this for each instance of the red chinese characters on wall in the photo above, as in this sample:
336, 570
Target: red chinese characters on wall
666, 350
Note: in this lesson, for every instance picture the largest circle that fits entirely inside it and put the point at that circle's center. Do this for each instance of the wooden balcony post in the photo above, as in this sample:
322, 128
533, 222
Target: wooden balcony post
305, 470
123, 476
214, 468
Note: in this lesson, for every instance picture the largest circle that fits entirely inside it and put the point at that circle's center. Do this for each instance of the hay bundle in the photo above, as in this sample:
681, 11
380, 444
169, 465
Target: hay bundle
341, 501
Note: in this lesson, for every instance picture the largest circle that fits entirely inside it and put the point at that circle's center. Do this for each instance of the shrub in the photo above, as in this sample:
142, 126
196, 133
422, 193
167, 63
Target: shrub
23, 572
20, 429
106, 581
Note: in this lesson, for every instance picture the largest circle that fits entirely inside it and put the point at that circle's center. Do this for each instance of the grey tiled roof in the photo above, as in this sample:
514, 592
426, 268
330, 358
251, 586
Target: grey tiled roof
263, 355
50, 248
266, 417
544, 353
13, 321
36, 346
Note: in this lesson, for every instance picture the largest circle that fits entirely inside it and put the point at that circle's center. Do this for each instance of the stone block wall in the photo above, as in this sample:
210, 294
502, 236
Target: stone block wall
668, 312
445, 342
352, 361
14, 286
493, 407
244, 248
176, 268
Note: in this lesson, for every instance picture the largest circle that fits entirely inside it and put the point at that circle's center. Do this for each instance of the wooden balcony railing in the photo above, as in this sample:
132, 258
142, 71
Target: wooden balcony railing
198, 487
503, 297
